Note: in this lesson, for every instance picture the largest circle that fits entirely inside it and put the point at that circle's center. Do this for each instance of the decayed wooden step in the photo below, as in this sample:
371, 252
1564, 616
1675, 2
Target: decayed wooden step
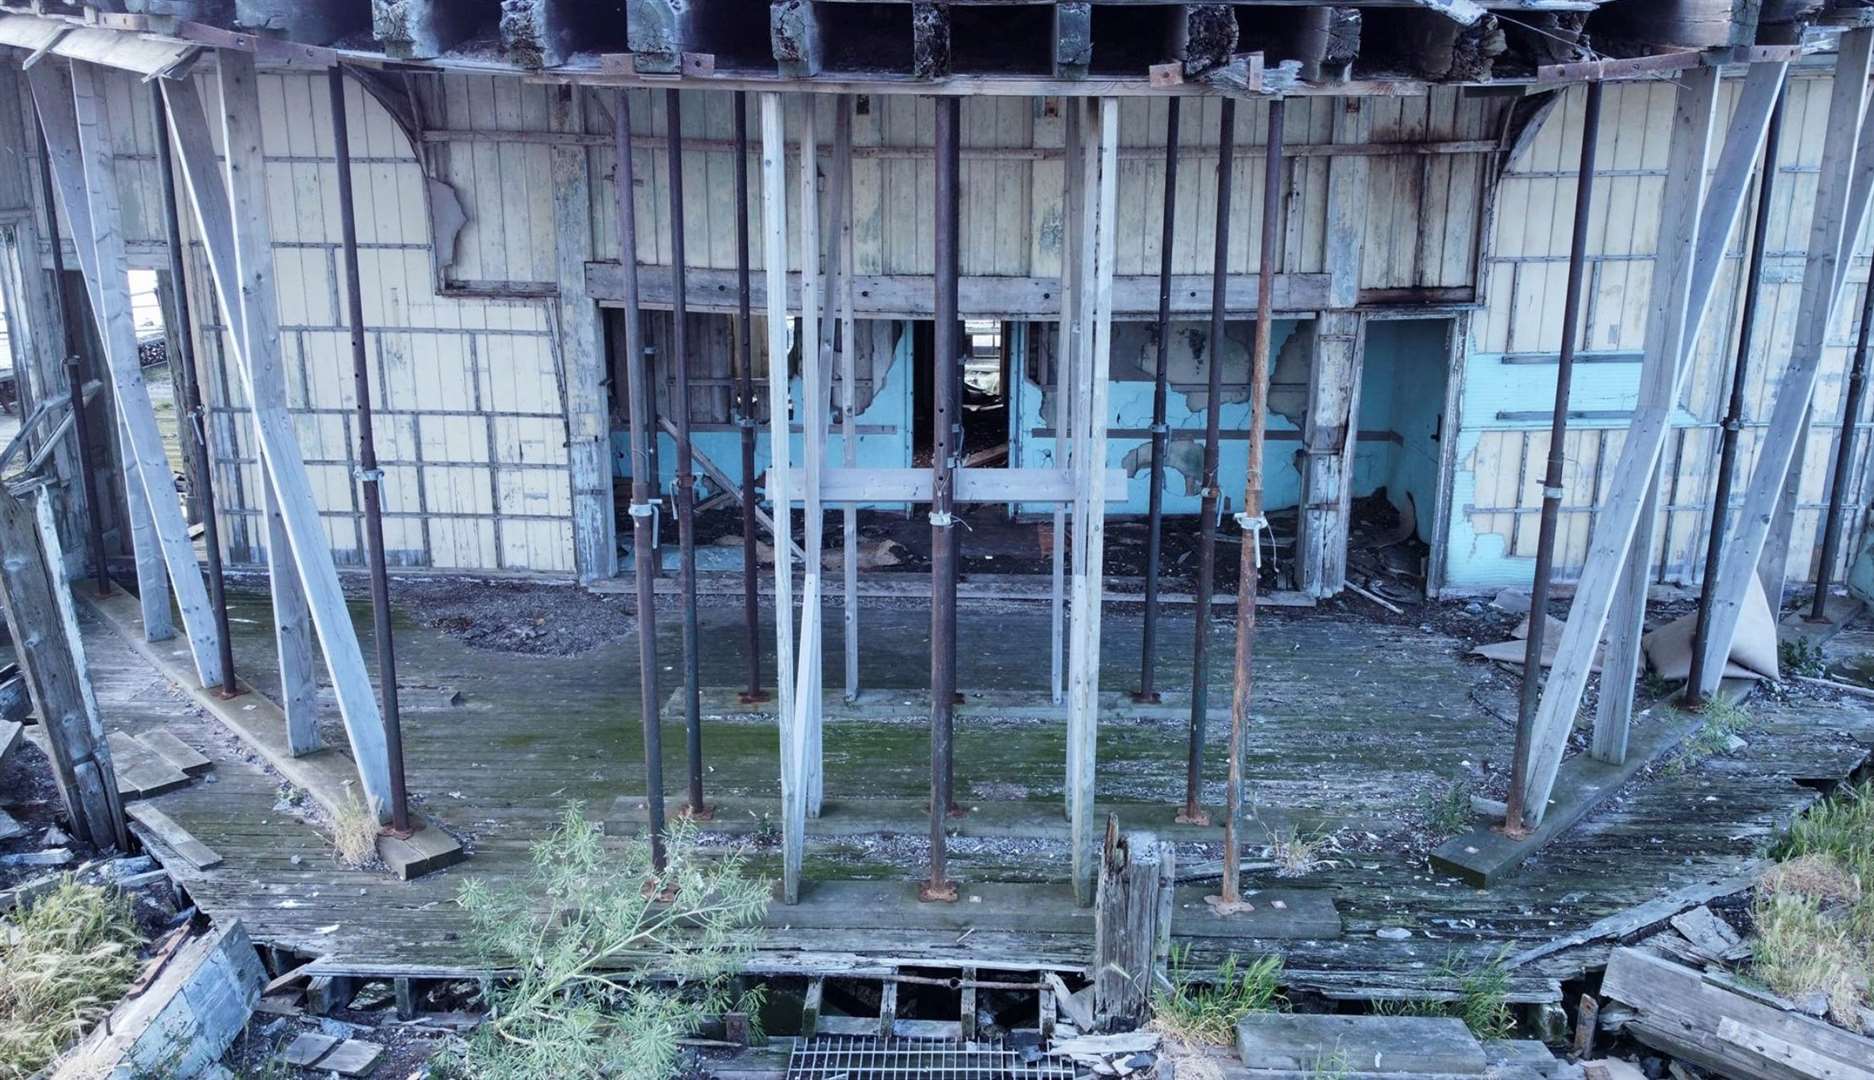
170, 747
141, 774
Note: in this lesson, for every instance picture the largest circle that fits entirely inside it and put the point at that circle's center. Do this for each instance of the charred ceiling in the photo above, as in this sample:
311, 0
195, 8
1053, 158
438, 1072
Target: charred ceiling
912, 42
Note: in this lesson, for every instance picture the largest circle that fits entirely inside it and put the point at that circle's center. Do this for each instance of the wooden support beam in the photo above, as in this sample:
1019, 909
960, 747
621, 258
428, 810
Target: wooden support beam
546, 33
1073, 39
1024, 298
1841, 203
1662, 377
420, 29
930, 40
241, 263
839, 264
845, 485
1327, 449
813, 393
582, 346
319, 22
794, 35
55, 677
52, 99
1099, 229
1203, 36
659, 31
774, 255
86, 143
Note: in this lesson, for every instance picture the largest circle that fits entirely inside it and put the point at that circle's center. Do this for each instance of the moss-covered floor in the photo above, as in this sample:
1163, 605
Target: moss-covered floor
1359, 726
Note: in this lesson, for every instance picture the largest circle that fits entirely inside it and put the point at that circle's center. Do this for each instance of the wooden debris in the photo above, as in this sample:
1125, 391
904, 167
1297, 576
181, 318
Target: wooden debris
141, 774
10, 827
307, 1048
170, 747
173, 836
1696, 1017
185, 1019
48, 857
1710, 935
353, 1057
1587, 1022
9, 729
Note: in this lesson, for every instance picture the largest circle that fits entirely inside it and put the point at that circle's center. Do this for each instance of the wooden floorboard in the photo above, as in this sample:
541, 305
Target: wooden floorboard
1357, 725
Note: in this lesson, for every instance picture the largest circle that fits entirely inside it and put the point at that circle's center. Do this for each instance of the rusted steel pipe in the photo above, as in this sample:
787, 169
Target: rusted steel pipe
1557, 461
943, 524
194, 421
750, 414
1161, 435
643, 486
1734, 408
1251, 519
1193, 812
369, 475
686, 480
75, 382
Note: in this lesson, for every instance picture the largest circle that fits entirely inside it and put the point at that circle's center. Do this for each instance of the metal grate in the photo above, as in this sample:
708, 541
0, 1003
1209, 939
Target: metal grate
868, 1057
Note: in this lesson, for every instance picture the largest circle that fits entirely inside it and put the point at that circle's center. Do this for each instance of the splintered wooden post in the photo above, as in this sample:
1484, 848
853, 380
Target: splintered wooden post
54, 678
1251, 520
840, 266
943, 470
807, 699
1131, 920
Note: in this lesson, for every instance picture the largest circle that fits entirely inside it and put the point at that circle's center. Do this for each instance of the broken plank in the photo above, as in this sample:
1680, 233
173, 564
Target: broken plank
353, 1057
170, 747
173, 836
1391, 1044
307, 1049
1688, 1010
9, 737
9, 827
1485, 856
140, 773
419, 853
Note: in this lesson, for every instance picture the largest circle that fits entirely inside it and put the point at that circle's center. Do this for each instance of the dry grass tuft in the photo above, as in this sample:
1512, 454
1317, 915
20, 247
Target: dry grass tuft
354, 833
1296, 854
64, 962
1815, 876
1203, 1008
1804, 949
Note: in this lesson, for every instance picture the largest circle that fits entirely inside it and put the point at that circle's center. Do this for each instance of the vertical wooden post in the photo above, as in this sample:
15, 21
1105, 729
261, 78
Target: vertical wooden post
807, 699
55, 679
582, 345
748, 418
1066, 359
1329, 438
1099, 231
774, 255
840, 268
1131, 925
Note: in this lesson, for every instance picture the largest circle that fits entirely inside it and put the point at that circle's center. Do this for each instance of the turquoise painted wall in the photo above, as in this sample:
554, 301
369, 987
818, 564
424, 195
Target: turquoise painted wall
890, 409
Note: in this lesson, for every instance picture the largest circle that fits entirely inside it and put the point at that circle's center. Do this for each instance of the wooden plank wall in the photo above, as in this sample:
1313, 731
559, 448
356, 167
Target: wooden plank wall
1510, 367
468, 392
470, 382
1011, 207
